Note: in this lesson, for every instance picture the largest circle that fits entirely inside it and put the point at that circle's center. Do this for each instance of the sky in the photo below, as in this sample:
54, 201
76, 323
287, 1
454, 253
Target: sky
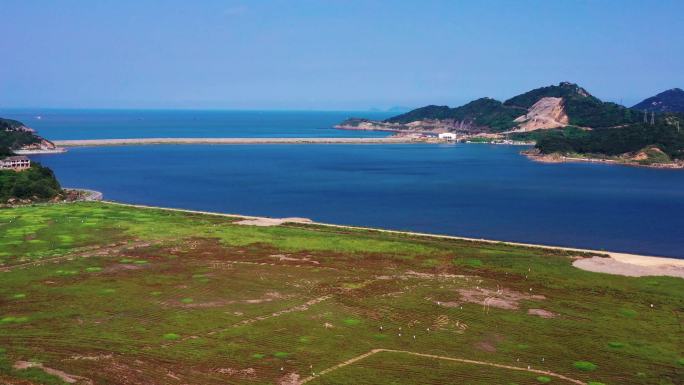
330, 54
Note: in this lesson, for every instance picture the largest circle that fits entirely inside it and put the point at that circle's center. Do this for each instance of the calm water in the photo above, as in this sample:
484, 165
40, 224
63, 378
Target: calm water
469, 190
116, 124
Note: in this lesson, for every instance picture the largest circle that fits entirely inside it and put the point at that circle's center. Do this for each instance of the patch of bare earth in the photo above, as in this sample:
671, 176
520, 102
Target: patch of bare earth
265, 222
486, 346
501, 298
613, 266
268, 297
66, 377
541, 313
121, 267
546, 113
289, 379
282, 257
242, 373
416, 274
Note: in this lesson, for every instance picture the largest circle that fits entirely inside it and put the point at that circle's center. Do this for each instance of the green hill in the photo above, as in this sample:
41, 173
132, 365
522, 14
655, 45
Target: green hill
580, 106
668, 101
663, 136
15, 135
483, 112
582, 109
37, 183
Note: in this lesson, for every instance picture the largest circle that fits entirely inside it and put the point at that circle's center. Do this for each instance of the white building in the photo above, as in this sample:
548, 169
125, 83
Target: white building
16, 163
447, 136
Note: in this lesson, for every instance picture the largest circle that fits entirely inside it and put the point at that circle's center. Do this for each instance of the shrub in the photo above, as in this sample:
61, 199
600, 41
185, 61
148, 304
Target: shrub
171, 336
585, 366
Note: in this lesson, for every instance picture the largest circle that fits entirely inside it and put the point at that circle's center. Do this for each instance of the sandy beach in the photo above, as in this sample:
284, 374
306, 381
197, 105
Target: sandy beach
136, 141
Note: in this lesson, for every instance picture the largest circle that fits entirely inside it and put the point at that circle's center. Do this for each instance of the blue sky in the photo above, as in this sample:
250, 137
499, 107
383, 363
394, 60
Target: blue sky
336, 54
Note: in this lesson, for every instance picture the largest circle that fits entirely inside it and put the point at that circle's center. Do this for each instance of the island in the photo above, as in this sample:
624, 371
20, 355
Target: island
564, 121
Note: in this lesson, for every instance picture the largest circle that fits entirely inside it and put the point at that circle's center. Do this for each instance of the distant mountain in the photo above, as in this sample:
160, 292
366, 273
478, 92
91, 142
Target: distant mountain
481, 113
667, 101
399, 109
542, 108
562, 119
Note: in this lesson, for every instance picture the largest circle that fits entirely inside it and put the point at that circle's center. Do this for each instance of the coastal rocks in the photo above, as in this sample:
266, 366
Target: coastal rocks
651, 157
433, 126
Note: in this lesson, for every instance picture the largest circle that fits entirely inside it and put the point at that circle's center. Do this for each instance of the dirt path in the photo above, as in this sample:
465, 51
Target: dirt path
303, 307
462, 360
64, 376
84, 252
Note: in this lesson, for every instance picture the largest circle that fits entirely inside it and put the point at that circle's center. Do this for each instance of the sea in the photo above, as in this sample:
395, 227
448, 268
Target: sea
471, 190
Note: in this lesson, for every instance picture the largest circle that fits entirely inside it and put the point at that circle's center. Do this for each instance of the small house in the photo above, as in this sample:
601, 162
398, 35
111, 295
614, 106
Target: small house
447, 136
16, 163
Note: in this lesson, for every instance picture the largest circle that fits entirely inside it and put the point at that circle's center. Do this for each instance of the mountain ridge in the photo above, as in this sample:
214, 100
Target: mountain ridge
566, 103
671, 100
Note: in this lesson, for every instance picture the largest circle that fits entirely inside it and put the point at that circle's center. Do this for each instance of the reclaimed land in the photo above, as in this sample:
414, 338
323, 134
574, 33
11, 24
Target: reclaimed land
98, 293
133, 141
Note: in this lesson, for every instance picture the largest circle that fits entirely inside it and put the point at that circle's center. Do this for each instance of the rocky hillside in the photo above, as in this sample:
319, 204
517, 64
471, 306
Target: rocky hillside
547, 112
667, 101
14, 135
565, 104
34, 184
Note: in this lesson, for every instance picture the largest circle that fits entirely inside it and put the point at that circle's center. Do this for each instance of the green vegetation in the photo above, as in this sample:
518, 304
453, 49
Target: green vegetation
37, 183
667, 101
483, 112
584, 366
661, 142
12, 140
583, 109
171, 336
12, 136
339, 294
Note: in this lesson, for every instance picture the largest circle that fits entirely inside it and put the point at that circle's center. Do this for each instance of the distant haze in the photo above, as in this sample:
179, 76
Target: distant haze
337, 54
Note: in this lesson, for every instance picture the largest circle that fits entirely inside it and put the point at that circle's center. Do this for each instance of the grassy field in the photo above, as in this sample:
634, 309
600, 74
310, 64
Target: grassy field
106, 294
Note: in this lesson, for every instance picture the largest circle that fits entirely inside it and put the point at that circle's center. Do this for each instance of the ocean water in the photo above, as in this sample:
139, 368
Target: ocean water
473, 190
116, 124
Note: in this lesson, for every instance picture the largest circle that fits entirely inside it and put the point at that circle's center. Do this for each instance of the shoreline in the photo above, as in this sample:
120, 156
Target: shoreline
157, 141
620, 263
557, 158
39, 152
